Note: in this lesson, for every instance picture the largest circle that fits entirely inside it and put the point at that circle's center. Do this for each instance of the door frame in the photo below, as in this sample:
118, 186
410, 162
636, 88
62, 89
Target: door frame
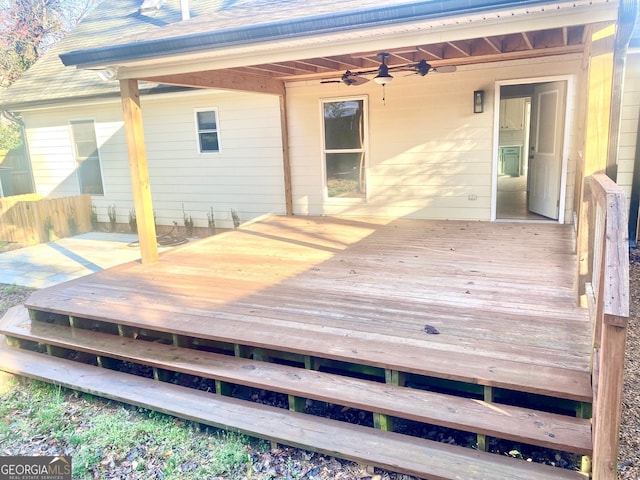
568, 120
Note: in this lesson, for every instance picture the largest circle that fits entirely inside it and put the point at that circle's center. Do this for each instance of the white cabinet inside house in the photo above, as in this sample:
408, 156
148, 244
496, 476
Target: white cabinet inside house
512, 114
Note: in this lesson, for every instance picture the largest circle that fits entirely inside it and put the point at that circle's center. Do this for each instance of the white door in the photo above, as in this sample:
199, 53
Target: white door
545, 148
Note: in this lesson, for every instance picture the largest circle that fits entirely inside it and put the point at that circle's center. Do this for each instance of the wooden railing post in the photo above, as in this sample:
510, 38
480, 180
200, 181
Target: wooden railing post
611, 289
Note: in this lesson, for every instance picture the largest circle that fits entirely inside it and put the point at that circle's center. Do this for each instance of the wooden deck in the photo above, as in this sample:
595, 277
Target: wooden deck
483, 308
500, 294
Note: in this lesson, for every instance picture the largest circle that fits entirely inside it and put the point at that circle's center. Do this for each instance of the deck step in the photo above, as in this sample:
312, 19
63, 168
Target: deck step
392, 451
497, 420
423, 359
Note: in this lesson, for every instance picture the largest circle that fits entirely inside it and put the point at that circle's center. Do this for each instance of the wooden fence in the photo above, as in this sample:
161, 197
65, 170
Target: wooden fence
608, 297
32, 219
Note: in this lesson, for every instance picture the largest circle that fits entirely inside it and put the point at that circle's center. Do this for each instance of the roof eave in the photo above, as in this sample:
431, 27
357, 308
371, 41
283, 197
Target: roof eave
287, 29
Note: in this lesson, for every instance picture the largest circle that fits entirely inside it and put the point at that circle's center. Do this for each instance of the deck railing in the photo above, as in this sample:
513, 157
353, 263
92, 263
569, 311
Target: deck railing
609, 308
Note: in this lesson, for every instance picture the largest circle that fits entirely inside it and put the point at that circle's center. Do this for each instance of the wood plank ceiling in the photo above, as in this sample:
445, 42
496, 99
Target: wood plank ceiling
464, 52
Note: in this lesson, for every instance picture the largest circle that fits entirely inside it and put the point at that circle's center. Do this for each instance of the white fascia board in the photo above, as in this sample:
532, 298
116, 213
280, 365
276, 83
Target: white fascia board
556, 15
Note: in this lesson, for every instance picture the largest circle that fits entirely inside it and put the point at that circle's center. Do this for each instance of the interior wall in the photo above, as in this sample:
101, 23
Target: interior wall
430, 156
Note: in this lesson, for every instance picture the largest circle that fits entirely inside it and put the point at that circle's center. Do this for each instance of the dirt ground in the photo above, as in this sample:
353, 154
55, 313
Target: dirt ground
629, 457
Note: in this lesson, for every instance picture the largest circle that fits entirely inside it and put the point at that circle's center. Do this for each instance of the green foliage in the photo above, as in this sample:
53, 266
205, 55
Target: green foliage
28, 28
211, 220
111, 212
101, 436
94, 218
236, 218
10, 136
188, 222
133, 221
71, 221
48, 228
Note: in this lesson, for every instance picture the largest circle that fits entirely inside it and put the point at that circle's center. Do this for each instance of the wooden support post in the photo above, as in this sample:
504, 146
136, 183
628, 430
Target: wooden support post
181, 341
381, 421
584, 410
139, 170
54, 351
126, 331
309, 362
600, 86
608, 403
483, 445
297, 404
223, 388
14, 342
241, 350
286, 162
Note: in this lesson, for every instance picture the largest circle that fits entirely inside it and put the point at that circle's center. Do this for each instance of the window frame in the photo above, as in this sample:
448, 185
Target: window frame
199, 131
365, 149
77, 163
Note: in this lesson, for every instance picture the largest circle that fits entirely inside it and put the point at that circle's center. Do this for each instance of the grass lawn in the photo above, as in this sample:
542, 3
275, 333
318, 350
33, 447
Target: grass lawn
112, 440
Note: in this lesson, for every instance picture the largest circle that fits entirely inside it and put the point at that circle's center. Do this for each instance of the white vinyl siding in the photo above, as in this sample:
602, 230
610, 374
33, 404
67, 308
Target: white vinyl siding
247, 176
629, 123
429, 155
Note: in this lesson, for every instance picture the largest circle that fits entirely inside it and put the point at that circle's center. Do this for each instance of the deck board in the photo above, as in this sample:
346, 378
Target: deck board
499, 293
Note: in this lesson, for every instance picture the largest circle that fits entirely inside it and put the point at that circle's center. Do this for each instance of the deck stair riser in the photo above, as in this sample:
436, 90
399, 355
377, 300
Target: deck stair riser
498, 420
405, 357
413, 456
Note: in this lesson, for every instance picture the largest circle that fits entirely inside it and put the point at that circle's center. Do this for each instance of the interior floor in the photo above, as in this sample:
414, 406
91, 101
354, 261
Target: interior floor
512, 199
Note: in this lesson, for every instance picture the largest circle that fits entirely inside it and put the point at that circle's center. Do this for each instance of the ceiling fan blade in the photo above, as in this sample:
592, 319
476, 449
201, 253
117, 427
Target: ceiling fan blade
357, 80
330, 81
445, 69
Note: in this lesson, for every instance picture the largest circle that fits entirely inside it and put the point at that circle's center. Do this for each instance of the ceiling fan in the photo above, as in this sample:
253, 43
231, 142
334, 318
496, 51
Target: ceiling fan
383, 76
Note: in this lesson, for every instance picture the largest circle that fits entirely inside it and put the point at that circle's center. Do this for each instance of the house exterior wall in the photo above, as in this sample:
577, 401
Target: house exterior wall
246, 175
630, 122
430, 156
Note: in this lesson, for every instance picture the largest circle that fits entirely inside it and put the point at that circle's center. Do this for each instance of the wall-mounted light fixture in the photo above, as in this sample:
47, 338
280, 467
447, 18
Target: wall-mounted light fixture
478, 101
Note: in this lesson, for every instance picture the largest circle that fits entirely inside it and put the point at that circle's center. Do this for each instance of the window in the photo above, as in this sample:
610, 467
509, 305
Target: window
344, 148
87, 157
207, 126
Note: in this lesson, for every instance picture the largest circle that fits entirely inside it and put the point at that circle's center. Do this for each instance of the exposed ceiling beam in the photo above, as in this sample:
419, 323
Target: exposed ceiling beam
473, 59
431, 50
492, 44
223, 80
527, 40
464, 49
565, 36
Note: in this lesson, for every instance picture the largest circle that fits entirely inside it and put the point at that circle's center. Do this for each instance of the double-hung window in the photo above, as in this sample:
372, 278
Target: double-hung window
207, 129
87, 156
344, 147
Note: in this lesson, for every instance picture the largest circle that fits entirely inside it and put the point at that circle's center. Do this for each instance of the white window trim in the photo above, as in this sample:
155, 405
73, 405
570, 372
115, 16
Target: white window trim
197, 127
75, 157
323, 160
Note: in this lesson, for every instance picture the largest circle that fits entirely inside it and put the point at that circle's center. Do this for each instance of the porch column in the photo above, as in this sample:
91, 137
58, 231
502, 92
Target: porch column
139, 170
598, 110
286, 163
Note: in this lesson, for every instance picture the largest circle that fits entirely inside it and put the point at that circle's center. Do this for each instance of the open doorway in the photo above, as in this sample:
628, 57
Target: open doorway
530, 151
